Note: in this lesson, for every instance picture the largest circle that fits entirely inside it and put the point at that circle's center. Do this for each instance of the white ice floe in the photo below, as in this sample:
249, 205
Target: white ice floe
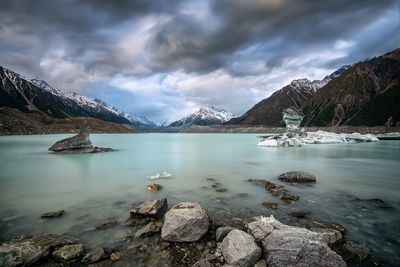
160, 175
319, 137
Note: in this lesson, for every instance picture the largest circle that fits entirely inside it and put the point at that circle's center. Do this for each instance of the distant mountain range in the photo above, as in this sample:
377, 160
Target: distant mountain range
363, 94
207, 115
37, 95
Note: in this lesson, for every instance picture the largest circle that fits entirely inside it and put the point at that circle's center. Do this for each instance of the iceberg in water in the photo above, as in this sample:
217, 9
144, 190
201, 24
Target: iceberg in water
160, 175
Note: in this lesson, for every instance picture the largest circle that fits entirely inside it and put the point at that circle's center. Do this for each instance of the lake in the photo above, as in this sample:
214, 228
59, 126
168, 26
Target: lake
98, 188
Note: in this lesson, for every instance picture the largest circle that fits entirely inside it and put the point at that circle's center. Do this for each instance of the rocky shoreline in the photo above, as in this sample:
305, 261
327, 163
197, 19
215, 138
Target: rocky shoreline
189, 235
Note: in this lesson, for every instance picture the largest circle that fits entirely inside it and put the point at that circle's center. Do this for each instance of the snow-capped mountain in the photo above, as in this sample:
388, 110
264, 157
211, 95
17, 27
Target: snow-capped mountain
35, 94
207, 115
139, 120
269, 111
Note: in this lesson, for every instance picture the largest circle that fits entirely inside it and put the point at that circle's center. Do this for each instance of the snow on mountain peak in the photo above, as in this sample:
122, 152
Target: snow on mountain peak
207, 115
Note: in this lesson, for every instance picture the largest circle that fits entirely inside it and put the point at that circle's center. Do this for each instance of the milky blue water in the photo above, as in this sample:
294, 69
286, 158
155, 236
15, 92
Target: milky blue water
96, 188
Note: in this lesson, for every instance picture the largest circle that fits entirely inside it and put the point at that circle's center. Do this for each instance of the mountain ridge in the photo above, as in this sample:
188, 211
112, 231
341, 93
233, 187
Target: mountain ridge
206, 115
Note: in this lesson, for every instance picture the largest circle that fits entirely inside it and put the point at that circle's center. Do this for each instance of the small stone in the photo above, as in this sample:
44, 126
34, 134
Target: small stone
297, 177
221, 190
151, 208
199, 247
222, 232
96, 255
106, 225
261, 263
202, 263
210, 179
53, 214
154, 187
115, 256
69, 252
150, 229
270, 205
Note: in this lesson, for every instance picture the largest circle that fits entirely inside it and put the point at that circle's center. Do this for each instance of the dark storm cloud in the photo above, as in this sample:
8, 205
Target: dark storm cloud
301, 25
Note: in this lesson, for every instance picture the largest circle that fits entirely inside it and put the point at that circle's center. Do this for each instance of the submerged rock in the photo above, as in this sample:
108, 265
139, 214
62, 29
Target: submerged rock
270, 205
297, 177
151, 208
52, 214
240, 248
285, 245
79, 143
328, 225
27, 250
69, 252
185, 222
355, 251
149, 229
298, 214
96, 255
380, 203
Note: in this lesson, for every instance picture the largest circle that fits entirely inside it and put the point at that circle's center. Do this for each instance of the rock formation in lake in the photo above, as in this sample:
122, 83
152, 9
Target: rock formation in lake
79, 143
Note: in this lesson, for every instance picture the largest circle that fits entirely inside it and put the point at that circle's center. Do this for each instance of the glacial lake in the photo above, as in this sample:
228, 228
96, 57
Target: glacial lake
97, 188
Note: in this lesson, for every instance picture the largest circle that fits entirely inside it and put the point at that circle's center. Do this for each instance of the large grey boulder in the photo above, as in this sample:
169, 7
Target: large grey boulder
222, 232
27, 250
293, 246
297, 177
240, 248
151, 208
185, 222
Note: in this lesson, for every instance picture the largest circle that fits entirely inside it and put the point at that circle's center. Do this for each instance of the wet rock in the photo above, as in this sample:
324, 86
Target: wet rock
202, 263
185, 222
151, 208
270, 205
298, 214
330, 236
280, 191
150, 229
297, 177
96, 255
221, 190
69, 252
79, 143
355, 251
293, 246
154, 187
380, 203
26, 250
240, 248
106, 225
328, 225
52, 214
258, 182
210, 179
222, 232
115, 256
259, 229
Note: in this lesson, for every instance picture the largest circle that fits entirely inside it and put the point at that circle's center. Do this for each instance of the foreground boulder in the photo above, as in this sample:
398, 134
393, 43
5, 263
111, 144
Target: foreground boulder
27, 250
79, 143
151, 208
185, 222
69, 252
240, 248
285, 245
297, 177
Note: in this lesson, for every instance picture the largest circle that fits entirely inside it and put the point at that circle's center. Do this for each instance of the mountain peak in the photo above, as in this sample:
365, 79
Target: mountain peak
206, 115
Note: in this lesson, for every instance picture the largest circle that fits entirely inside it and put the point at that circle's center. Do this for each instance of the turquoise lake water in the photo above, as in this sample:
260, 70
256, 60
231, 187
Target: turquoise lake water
96, 188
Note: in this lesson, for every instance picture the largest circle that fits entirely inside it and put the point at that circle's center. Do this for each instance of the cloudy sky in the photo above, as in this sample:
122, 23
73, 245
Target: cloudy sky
166, 58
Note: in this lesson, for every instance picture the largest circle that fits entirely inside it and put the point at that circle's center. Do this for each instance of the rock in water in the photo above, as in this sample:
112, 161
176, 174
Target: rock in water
96, 255
154, 187
69, 252
26, 250
240, 248
355, 251
151, 208
149, 229
285, 245
79, 143
297, 177
185, 222
53, 214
